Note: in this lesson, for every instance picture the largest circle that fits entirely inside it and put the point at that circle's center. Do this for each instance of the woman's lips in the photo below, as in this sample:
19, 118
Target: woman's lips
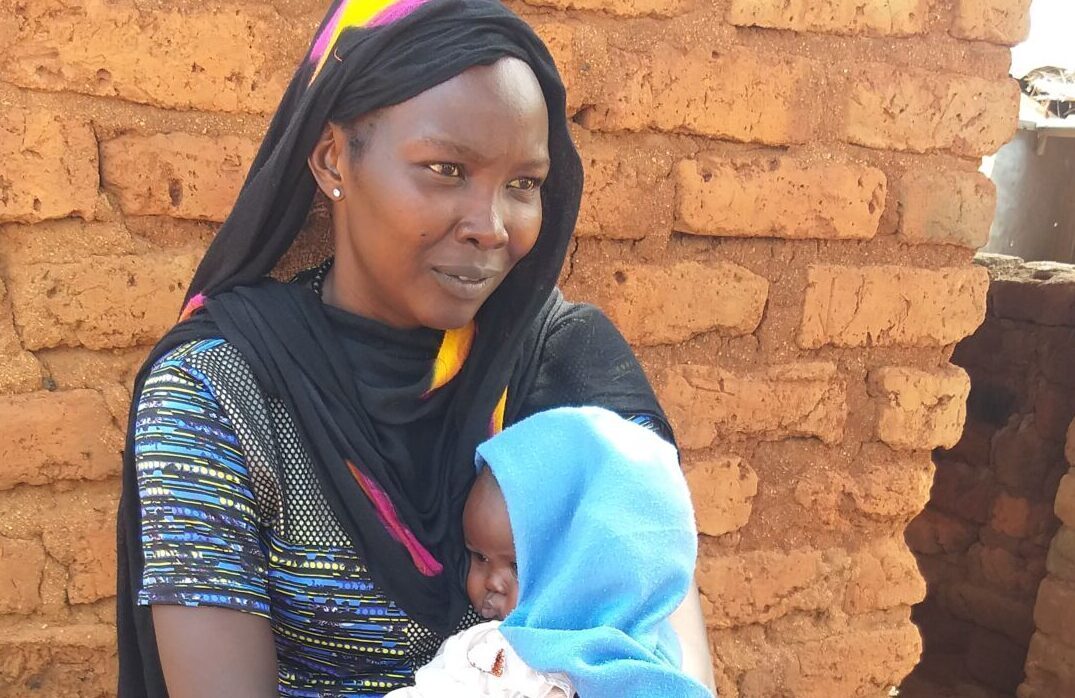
465, 282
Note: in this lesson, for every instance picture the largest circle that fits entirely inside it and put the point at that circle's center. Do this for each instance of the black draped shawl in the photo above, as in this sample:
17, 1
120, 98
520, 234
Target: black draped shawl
545, 351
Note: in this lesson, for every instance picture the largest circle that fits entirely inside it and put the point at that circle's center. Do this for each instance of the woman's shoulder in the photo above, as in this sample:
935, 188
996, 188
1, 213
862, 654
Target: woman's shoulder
183, 354
213, 363
571, 318
190, 357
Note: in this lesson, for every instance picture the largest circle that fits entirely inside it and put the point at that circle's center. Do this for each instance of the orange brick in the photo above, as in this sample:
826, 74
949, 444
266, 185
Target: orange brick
1056, 346
991, 609
999, 21
885, 486
814, 656
705, 403
1020, 460
75, 661
68, 240
1069, 448
1042, 293
48, 166
1050, 669
760, 586
893, 485
920, 409
903, 109
559, 37
66, 435
1061, 560
954, 208
20, 371
883, 575
101, 302
232, 59
620, 8
866, 662
1054, 612
723, 491
1021, 518
176, 174
875, 17
1005, 570
89, 553
82, 368
963, 490
891, 306
741, 95
778, 197
933, 532
1054, 405
22, 563
1065, 500
628, 192
666, 305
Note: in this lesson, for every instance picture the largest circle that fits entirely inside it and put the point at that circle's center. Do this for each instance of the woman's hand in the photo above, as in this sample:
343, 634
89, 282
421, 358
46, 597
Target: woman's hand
689, 625
207, 652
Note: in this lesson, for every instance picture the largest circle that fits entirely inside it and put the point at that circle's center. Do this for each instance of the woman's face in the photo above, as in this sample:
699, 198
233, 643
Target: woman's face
441, 200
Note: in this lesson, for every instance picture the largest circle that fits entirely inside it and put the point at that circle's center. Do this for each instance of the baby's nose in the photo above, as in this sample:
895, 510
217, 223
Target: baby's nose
497, 582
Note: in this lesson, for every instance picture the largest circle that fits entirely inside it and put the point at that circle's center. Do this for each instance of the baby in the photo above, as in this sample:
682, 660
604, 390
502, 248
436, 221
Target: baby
581, 539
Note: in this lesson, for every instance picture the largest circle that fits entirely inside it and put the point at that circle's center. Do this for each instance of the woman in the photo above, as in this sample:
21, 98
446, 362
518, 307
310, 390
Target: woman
299, 453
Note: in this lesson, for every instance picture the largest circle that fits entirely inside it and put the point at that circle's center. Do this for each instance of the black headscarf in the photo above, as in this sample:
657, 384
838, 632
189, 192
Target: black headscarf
544, 351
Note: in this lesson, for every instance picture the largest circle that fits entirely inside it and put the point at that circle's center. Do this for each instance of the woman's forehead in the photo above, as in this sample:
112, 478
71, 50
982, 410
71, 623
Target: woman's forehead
485, 108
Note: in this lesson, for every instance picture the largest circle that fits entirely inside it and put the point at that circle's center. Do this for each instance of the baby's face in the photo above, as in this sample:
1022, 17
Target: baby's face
492, 581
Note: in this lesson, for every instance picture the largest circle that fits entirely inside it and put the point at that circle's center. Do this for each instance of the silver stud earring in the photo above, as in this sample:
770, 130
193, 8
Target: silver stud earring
336, 193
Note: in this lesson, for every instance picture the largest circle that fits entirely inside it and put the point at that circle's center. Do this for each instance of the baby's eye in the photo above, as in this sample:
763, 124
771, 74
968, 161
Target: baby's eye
525, 183
515, 569
478, 556
446, 169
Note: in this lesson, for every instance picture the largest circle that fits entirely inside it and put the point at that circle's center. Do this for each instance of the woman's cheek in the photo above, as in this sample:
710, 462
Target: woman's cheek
526, 232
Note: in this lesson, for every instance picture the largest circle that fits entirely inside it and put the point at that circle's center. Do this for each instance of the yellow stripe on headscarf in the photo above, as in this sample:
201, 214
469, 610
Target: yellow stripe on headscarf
454, 349
356, 13
496, 424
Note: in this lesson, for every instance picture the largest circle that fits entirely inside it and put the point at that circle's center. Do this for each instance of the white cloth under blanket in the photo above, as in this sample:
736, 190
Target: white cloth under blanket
480, 662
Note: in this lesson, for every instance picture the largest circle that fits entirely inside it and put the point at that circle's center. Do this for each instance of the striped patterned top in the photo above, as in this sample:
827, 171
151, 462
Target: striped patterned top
233, 517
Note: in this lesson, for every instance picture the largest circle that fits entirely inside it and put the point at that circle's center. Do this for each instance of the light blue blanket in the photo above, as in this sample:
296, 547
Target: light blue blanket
606, 547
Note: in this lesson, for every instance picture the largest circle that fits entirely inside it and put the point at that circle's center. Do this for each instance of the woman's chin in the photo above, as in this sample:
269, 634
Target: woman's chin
450, 317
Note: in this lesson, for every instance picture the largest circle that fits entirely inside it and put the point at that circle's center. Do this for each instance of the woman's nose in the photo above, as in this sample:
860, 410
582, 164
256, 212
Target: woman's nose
483, 224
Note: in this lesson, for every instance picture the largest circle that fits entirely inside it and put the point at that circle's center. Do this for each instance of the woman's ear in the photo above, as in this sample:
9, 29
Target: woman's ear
325, 161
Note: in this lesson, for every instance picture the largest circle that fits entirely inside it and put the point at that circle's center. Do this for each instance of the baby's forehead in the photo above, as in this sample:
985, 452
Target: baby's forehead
485, 491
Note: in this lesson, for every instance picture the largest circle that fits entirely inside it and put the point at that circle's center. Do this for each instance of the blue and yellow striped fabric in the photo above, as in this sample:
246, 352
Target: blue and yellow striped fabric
209, 541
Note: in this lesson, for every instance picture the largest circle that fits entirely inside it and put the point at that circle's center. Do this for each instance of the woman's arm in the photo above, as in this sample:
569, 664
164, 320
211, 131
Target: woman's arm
689, 625
207, 652
204, 574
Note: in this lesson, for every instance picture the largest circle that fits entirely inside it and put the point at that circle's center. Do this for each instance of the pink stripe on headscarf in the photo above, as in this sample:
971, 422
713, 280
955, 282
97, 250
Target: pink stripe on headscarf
193, 305
321, 47
386, 511
395, 12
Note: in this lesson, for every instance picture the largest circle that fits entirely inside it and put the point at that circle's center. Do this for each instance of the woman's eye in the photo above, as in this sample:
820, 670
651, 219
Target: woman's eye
446, 169
525, 183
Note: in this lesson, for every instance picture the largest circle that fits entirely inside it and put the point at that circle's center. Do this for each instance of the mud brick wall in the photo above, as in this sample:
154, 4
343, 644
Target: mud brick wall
1050, 664
781, 204
983, 539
